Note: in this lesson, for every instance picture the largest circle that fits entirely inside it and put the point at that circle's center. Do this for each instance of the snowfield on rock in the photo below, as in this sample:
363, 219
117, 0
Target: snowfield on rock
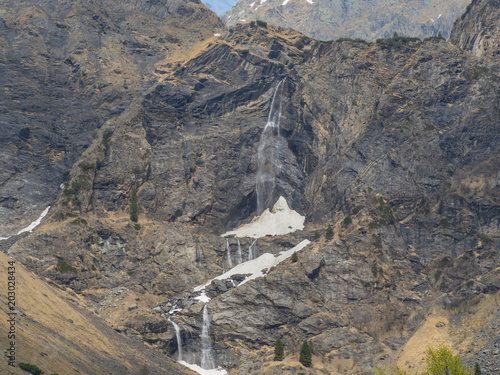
280, 220
199, 370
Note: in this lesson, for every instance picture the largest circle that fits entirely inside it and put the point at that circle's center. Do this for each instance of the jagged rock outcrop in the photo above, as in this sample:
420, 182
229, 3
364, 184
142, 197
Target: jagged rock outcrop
477, 30
368, 20
394, 144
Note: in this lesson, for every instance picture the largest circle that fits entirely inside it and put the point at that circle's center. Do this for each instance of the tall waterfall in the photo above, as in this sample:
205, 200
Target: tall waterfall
229, 261
240, 258
268, 163
207, 358
179, 339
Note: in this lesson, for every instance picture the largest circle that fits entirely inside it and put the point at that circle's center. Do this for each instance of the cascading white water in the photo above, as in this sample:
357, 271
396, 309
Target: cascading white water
251, 252
207, 358
179, 339
268, 162
240, 258
229, 261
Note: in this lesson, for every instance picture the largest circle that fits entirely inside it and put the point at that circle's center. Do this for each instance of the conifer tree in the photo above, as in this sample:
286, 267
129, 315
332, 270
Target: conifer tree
279, 352
305, 354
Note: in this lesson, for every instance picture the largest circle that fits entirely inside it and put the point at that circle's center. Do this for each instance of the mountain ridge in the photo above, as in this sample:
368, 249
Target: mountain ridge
334, 19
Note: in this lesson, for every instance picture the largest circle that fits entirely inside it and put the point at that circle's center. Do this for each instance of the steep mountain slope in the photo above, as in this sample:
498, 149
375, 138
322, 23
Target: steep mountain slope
55, 331
395, 144
368, 20
66, 67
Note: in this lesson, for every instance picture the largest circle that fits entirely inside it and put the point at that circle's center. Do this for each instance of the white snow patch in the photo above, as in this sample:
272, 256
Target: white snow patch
199, 370
281, 220
310, 1
251, 5
256, 266
285, 2
439, 16
261, 2
4, 238
242, 20
216, 34
34, 224
203, 297
62, 186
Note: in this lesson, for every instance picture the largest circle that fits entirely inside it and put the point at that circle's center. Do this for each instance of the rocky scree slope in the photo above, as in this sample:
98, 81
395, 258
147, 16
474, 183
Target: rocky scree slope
368, 20
399, 136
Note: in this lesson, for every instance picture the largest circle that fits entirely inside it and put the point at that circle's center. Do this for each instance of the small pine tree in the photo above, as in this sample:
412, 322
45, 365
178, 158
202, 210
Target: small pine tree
329, 232
305, 354
134, 207
279, 352
477, 369
295, 257
317, 235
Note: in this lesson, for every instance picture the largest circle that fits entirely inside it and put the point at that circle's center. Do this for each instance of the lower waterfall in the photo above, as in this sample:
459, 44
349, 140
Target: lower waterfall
207, 357
179, 339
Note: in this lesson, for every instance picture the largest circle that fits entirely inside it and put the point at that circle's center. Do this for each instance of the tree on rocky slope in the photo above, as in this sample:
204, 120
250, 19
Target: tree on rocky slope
305, 354
279, 352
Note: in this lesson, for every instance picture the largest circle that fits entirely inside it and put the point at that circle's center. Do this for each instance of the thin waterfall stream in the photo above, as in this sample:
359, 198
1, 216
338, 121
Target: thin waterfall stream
207, 357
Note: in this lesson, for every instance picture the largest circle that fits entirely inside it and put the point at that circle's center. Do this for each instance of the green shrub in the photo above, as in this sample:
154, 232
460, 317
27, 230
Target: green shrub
295, 257
252, 23
106, 136
279, 352
144, 370
299, 44
316, 235
329, 232
87, 166
347, 220
395, 42
305, 354
63, 266
32, 369
261, 23
134, 206
442, 361
355, 210
245, 52
137, 226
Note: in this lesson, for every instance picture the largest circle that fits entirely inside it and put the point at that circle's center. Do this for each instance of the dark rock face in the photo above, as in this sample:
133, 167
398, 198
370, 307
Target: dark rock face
68, 66
395, 144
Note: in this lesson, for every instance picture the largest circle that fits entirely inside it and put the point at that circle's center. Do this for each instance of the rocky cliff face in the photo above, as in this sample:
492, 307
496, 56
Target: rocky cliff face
477, 30
394, 144
68, 66
368, 20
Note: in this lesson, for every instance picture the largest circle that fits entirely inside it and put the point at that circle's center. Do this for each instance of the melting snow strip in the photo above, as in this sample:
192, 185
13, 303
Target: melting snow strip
199, 370
255, 267
34, 224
